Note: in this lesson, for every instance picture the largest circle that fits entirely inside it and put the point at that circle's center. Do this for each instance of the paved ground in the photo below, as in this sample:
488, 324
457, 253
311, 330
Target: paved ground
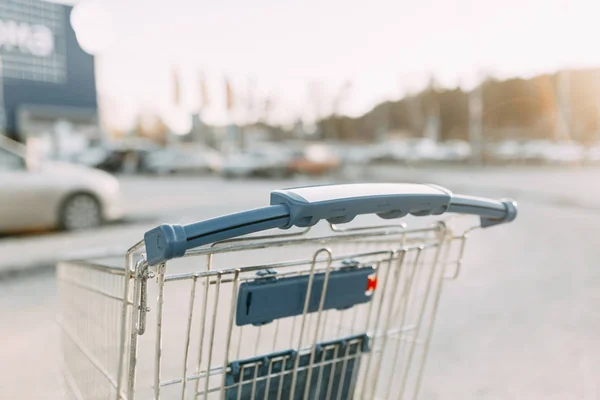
521, 322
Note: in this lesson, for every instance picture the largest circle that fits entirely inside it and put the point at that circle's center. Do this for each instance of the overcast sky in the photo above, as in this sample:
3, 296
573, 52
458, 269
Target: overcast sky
385, 47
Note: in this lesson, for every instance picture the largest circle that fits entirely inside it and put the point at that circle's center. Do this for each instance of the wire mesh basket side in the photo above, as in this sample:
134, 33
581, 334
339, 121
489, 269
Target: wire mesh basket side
93, 320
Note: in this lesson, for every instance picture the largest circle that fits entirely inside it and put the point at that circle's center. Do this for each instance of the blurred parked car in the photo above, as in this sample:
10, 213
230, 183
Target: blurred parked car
565, 152
256, 162
535, 151
39, 194
359, 155
423, 149
592, 154
548, 152
127, 156
315, 160
182, 159
507, 151
454, 150
539, 151
393, 151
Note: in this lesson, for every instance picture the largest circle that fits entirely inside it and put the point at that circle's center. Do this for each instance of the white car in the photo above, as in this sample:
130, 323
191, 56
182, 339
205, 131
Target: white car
565, 152
38, 194
507, 151
455, 150
256, 162
593, 153
175, 160
423, 149
537, 151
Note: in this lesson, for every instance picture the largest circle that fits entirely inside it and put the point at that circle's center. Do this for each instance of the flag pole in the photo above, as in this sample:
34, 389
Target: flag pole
229, 103
170, 139
476, 122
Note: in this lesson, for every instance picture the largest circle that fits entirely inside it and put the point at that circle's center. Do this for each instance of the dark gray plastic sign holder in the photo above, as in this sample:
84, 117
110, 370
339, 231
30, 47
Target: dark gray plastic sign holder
245, 374
338, 204
267, 299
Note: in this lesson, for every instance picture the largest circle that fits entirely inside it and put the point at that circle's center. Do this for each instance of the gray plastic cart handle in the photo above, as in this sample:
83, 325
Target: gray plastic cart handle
337, 204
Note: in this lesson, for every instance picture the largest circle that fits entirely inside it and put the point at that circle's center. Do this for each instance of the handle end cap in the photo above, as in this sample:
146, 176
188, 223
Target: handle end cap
511, 213
164, 243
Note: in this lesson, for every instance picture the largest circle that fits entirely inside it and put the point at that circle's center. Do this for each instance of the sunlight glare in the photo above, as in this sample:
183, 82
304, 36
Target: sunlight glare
93, 27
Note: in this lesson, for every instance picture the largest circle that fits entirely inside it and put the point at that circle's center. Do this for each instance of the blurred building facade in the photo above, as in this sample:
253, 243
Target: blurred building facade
47, 82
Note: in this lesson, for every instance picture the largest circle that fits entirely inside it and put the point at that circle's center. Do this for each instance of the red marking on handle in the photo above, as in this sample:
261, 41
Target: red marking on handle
371, 283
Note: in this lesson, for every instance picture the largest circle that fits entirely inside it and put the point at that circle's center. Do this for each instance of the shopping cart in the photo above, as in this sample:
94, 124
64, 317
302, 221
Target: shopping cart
335, 313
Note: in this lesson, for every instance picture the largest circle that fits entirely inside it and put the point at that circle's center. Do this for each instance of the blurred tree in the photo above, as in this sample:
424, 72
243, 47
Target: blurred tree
454, 114
512, 109
584, 95
151, 126
176, 77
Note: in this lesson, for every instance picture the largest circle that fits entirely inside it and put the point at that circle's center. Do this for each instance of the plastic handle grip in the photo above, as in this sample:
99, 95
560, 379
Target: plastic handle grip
171, 241
492, 212
342, 203
306, 206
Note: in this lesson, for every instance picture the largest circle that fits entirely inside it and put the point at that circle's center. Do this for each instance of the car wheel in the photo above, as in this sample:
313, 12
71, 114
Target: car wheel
80, 211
